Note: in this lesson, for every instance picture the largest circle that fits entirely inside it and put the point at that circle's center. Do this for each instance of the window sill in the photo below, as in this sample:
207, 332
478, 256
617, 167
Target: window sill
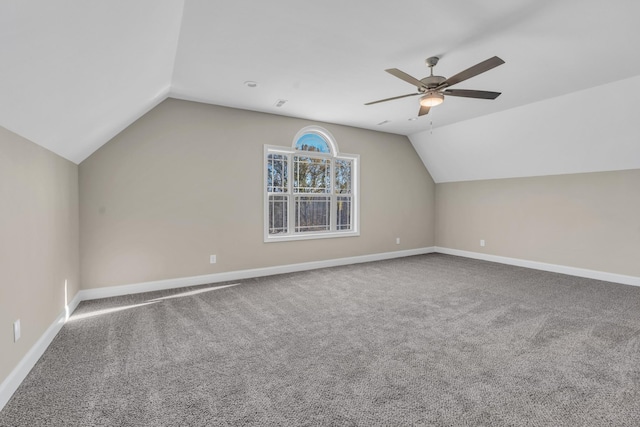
310, 236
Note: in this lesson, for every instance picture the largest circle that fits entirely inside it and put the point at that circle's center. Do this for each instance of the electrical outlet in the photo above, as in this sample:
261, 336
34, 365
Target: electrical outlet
16, 330
397, 240
212, 259
482, 243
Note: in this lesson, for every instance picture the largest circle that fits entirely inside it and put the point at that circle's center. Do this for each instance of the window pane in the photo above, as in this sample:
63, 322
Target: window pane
343, 221
313, 213
312, 142
277, 173
278, 214
311, 175
343, 176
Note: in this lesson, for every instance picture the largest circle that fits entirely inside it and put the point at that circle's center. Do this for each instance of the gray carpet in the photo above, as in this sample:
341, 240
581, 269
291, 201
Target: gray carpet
425, 340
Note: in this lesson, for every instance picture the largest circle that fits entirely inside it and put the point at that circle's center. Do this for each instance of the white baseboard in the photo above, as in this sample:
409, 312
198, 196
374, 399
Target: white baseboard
158, 285
19, 373
555, 268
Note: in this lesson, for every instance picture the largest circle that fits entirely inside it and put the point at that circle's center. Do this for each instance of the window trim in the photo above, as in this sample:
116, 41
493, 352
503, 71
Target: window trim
291, 235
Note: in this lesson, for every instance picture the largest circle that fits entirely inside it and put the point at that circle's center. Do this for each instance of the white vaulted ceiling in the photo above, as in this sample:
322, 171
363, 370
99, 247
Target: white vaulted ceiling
75, 73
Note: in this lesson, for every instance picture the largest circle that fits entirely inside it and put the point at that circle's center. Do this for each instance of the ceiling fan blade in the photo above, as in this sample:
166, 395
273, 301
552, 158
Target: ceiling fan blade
404, 76
423, 110
391, 99
465, 93
472, 72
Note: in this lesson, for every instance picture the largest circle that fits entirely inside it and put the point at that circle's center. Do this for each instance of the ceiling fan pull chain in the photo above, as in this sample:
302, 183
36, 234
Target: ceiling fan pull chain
431, 123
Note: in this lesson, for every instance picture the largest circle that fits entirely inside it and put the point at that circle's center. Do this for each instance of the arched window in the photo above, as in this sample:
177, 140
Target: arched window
311, 189
312, 141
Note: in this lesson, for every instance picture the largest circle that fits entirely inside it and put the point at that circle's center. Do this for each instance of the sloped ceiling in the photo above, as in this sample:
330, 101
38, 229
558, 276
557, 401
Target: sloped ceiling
592, 130
75, 73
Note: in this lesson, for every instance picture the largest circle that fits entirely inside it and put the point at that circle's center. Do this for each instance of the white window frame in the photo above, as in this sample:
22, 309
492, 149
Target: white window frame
334, 155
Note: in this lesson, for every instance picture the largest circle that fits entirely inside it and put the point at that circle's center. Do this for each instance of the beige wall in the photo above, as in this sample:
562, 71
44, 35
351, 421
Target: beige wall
186, 180
38, 242
589, 220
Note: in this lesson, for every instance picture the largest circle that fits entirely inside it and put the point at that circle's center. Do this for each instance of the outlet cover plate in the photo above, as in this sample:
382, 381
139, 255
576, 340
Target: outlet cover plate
16, 330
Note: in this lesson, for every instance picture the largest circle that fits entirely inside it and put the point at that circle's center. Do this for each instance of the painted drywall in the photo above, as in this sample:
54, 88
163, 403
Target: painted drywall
38, 242
588, 131
186, 181
589, 220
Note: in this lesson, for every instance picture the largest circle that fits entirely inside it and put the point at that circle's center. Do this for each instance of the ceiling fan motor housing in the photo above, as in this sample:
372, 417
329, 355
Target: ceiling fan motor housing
433, 81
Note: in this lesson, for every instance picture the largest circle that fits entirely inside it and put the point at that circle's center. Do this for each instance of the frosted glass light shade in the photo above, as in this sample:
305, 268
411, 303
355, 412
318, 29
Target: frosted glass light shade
432, 99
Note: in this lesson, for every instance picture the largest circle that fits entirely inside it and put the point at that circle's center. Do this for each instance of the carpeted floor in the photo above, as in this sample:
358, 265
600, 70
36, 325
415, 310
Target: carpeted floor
425, 340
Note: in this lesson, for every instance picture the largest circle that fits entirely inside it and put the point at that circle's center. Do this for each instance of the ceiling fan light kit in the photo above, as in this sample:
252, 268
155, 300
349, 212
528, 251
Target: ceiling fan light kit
432, 99
434, 88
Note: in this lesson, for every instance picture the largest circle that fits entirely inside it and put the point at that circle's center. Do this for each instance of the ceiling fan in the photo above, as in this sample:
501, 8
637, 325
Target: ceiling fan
434, 88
